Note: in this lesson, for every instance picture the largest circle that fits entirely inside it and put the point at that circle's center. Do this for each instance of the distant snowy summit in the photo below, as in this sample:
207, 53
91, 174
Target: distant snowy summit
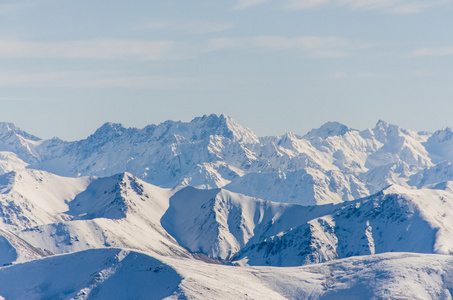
331, 164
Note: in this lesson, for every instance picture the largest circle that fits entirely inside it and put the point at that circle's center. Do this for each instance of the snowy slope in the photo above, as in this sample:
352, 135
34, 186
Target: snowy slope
44, 213
383, 276
123, 211
217, 223
100, 274
55, 214
117, 211
233, 227
32, 197
9, 161
395, 220
123, 274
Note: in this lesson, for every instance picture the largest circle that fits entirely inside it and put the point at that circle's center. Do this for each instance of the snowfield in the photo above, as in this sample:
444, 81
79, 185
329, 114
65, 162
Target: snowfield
208, 210
125, 274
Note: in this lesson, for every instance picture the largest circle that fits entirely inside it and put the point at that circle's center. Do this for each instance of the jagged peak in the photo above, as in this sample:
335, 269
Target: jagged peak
382, 124
113, 194
8, 128
225, 126
386, 127
288, 139
110, 127
383, 130
443, 135
329, 129
290, 135
197, 129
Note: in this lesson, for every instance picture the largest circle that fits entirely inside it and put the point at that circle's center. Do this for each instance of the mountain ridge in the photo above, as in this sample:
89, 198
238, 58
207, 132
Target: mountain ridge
214, 151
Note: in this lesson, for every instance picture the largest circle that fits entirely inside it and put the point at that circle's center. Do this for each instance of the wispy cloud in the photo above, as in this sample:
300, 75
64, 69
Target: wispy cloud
202, 28
144, 82
23, 99
93, 49
434, 51
367, 75
15, 79
338, 75
305, 46
388, 6
304, 4
343, 75
93, 79
6, 8
243, 4
317, 47
189, 28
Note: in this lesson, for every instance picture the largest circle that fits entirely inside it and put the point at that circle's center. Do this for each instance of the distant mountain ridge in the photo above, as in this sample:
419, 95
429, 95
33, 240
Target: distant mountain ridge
331, 164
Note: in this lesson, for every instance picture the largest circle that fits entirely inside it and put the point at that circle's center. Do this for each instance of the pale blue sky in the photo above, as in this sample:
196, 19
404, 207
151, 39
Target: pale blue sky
66, 67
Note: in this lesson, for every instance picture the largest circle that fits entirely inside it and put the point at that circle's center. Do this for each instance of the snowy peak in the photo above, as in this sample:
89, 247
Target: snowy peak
382, 129
385, 132
289, 141
440, 145
443, 135
224, 126
328, 129
21, 143
116, 196
110, 129
214, 151
9, 129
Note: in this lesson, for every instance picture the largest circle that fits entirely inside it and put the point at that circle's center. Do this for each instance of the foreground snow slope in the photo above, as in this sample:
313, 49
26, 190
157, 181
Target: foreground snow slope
92, 274
331, 164
125, 274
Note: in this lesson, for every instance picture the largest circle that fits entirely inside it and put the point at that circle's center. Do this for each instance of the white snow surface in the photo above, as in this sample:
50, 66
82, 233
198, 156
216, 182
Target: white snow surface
124, 274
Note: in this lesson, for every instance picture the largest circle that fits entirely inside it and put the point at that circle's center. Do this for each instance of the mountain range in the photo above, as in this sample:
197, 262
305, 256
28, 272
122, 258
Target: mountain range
208, 210
331, 164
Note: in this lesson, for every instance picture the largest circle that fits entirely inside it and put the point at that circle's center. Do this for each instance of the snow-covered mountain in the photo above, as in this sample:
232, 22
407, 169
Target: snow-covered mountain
245, 230
331, 164
57, 215
208, 210
172, 234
